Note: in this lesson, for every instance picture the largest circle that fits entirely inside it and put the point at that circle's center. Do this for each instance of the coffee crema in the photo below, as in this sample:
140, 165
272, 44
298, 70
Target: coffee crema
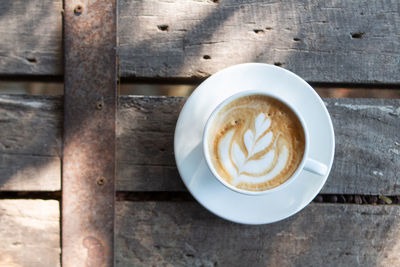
256, 142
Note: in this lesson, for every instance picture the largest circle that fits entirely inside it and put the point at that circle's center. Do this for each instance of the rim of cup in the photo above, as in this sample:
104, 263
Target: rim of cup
206, 153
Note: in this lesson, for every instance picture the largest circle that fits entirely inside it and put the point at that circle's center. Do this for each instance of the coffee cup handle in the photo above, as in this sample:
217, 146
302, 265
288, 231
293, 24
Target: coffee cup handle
316, 167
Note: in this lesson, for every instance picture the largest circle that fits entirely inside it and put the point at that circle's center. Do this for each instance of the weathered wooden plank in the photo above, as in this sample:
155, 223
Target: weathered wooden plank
30, 143
325, 41
367, 157
29, 172
29, 233
30, 37
185, 234
335, 41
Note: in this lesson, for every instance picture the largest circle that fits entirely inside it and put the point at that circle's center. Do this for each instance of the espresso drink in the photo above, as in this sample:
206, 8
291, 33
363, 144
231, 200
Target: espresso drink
255, 142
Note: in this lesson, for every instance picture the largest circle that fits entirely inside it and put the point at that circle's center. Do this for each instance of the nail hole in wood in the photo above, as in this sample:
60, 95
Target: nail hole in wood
163, 27
206, 57
296, 39
357, 35
258, 31
78, 10
31, 60
100, 181
99, 105
268, 28
279, 64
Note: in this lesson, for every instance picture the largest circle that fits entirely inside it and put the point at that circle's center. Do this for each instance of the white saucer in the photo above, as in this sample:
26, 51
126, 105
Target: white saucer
193, 168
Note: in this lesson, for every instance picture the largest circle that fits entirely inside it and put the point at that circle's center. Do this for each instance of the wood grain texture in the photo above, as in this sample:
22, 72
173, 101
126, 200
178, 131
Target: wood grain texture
367, 159
325, 41
30, 143
322, 41
31, 37
29, 233
367, 152
185, 234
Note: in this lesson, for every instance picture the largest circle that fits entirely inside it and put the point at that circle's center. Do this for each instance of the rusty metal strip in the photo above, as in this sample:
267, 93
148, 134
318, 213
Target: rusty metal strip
90, 101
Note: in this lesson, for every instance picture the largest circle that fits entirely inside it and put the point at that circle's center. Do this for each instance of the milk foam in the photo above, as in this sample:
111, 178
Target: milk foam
257, 143
242, 167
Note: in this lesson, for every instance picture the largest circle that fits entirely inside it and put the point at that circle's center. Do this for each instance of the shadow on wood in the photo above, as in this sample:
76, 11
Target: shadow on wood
367, 157
30, 143
185, 234
31, 37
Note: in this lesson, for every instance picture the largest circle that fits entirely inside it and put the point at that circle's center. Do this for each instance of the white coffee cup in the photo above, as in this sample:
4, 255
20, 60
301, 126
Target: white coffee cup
306, 164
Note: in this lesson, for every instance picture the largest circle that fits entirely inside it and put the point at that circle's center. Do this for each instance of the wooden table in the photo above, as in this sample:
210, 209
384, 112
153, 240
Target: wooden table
348, 44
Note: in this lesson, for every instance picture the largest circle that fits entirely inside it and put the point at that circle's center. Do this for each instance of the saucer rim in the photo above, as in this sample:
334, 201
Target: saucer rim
241, 220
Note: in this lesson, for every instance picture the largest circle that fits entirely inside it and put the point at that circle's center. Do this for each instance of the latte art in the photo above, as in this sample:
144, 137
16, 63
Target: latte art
256, 143
243, 165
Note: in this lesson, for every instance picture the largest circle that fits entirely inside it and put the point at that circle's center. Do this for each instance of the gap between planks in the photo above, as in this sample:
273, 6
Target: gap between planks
186, 196
320, 198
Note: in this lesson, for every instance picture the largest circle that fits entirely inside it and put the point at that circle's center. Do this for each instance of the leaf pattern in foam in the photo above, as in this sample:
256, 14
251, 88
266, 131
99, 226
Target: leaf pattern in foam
262, 143
238, 156
224, 154
261, 124
248, 139
253, 146
260, 165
